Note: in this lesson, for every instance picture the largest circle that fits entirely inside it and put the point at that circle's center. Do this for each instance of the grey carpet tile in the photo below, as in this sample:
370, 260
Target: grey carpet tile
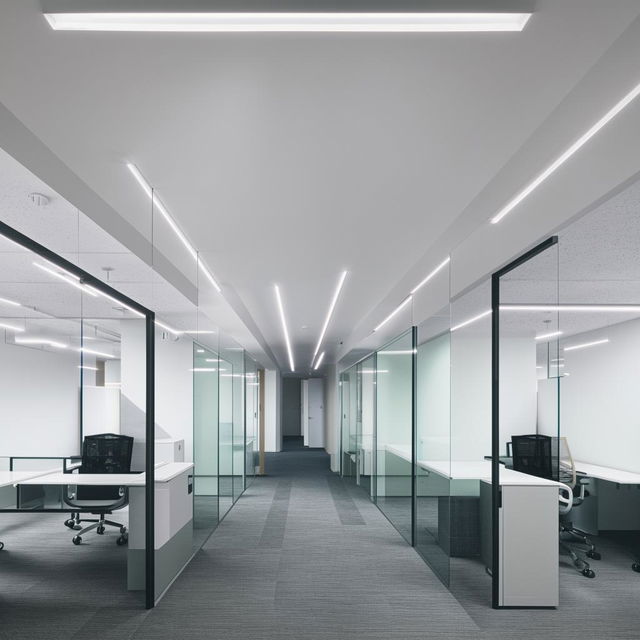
287, 563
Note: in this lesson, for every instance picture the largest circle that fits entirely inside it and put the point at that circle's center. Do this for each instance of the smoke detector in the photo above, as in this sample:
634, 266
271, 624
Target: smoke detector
39, 199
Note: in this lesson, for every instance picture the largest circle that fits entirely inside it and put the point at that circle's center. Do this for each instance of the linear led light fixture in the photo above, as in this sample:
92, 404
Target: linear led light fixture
166, 327
42, 341
399, 352
10, 302
332, 307
439, 268
616, 308
157, 203
397, 310
283, 320
251, 22
118, 302
83, 366
374, 371
466, 323
4, 325
576, 146
553, 334
96, 353
320, 359
198, 332
585, 345
203, 369
68, 279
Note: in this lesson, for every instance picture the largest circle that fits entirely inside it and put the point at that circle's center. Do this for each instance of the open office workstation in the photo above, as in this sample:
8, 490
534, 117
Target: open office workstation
124, 442
500, 435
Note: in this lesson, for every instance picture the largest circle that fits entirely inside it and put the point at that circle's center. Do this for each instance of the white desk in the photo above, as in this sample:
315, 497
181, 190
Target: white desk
9, 478
607, 473
164, 472
470, 469
173, 514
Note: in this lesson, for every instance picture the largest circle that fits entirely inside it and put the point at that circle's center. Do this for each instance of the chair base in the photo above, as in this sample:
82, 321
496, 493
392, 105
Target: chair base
579, 563
99, 524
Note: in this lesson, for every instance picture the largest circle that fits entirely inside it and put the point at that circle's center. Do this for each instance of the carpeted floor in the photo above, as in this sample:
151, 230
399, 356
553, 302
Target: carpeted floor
301, 555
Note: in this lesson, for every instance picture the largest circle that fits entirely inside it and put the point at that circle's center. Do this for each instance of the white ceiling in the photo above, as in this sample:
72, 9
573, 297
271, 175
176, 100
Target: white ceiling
287, 158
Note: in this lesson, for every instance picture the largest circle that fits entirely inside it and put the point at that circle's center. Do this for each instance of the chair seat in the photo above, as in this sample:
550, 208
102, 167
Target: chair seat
94, 504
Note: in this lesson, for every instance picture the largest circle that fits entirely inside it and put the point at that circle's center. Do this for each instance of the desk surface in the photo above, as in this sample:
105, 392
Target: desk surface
470, 469
164, 472
8, 478
607, 473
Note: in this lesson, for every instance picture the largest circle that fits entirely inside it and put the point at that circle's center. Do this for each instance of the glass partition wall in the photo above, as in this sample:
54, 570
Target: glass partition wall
394, 395
79, 363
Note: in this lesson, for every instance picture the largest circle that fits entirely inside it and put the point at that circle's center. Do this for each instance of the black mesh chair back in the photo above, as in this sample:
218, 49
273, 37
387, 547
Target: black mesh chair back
104, 453
533, 454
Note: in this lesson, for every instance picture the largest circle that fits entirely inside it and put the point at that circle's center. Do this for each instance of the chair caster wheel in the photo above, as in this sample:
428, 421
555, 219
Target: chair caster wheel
123, 529
71, 523
1, 546
100, 530
594, 555
122, 540
76, 540
588, 573
636, 567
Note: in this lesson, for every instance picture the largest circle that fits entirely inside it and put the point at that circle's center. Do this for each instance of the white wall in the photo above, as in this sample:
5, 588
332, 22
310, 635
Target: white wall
39, 402
433, 399
518, 388
272, 410
174, 389
315, 417
600, 399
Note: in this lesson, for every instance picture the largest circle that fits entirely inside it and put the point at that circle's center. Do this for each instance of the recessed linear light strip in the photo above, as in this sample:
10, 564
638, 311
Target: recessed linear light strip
397, 310
42, 341
553, 334
320, 359
466, 323
67, 279
332, 307
439, 268
577, 145
119, 302
616, 308
172, 223
381, 22
283, 320
585, 345
4, 325
10, 302
431, 275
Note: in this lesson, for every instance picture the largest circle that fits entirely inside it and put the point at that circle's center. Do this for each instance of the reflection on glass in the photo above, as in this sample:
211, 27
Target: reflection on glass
205, 442
433, 444
394, 408
225, 445
470, 411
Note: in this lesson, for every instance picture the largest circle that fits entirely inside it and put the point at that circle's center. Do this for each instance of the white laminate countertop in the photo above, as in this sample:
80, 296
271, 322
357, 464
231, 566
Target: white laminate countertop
8, 478
164, 472
471, 469
607, 473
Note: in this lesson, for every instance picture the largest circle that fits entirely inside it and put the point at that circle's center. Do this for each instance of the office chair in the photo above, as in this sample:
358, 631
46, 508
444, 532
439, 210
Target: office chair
572, 494
102, 453
550, 458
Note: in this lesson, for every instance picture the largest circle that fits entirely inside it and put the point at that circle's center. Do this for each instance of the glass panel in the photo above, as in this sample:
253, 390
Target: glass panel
394, 404
470, 411
251, 419
366, 424
225, 434
434, 537
205, 442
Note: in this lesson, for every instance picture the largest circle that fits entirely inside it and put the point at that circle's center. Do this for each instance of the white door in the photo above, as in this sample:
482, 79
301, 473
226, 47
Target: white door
304, 403
316, 412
